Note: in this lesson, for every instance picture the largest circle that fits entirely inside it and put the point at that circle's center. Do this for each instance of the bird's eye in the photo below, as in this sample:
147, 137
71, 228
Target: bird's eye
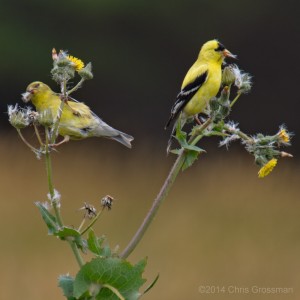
36, 85
220, 47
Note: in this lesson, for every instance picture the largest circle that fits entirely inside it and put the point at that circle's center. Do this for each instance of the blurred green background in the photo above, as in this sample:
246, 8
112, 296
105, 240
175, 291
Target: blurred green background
220, 226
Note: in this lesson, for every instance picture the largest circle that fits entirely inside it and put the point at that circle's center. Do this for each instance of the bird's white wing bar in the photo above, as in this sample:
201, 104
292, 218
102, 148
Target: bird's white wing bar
185, 95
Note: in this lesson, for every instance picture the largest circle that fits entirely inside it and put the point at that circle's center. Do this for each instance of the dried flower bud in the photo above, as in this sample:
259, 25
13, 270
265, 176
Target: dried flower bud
285, 154
224, 111
45, 118
18, 118
214, 104
90, 210
55, 198
228, 77
54, 54
86, 73
267, 168
107, 201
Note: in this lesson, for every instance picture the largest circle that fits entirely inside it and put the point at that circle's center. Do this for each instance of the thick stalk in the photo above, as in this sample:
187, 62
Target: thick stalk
50, 181
76, 87
93, 222
163, 192
76, 252
25, 142
54, 203
156, 204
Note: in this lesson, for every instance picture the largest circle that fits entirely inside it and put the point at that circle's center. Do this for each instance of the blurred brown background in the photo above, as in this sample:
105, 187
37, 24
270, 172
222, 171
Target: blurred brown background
221, 225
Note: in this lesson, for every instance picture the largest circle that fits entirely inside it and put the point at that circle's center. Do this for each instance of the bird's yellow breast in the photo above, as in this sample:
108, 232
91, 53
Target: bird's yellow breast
75, 115
208, 90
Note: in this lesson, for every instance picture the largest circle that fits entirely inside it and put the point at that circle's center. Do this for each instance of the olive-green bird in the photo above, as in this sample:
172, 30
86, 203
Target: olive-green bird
77, 120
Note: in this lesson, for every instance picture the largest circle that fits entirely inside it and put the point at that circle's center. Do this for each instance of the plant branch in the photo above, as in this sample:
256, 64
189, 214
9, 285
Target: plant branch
235, 99
54, 131
77, 86
77, 255
55, 204
50, 181
156, 204
25, 142
241, 134
163, 192
37, 133
93, 222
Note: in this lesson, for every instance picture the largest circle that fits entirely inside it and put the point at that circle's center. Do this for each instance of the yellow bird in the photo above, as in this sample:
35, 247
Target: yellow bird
201, 83
77, 120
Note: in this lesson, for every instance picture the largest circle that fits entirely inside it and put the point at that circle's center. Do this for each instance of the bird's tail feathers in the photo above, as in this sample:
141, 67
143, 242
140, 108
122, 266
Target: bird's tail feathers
123, 138
104, 130
169, 121
173, 133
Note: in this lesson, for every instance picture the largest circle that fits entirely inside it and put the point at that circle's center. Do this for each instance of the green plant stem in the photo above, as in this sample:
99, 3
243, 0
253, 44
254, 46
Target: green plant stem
156, 204
197, 134
25, 142
37, 133
54, 131
76, 87
241, 134
76, 252
93, 222
54, 203
235, 99
163, 192
50, 181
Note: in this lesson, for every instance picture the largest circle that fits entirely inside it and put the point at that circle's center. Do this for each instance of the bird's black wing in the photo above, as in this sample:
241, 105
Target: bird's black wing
185, 95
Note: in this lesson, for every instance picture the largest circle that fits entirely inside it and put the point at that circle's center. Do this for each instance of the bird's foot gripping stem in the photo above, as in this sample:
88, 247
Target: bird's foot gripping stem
65, 140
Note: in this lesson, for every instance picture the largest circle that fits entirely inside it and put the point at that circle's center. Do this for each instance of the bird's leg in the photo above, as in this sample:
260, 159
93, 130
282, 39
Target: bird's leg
197, 120
65, 140
74, 111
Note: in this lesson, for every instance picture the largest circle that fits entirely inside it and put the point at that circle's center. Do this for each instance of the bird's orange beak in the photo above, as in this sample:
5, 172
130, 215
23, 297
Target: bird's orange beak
227, 53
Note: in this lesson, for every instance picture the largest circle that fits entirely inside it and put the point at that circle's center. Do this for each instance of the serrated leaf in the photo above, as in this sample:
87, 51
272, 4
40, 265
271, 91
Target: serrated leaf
49, 219
219, 126
194, 148
71, 234
94, 243
114, 272
176, 151
66, 282
190, 157
180, 135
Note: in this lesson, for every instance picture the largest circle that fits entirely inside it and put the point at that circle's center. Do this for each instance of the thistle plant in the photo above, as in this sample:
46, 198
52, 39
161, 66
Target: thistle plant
109, 275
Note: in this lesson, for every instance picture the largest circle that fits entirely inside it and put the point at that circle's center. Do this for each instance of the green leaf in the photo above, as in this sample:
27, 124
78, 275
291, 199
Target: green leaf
95, 244
180, 135
219, 126
71, 234
194, 148
95, 278
190, 157
176, 151
216, 133
151, 285
48, 218
66, 283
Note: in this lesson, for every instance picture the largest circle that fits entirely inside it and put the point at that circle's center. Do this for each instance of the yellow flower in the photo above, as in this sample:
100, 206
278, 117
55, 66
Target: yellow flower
78, 64
267, 168
283, 136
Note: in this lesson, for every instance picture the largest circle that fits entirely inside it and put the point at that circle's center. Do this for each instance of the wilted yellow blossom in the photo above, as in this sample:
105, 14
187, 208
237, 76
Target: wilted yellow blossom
284, 136
267, 168
78, 63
